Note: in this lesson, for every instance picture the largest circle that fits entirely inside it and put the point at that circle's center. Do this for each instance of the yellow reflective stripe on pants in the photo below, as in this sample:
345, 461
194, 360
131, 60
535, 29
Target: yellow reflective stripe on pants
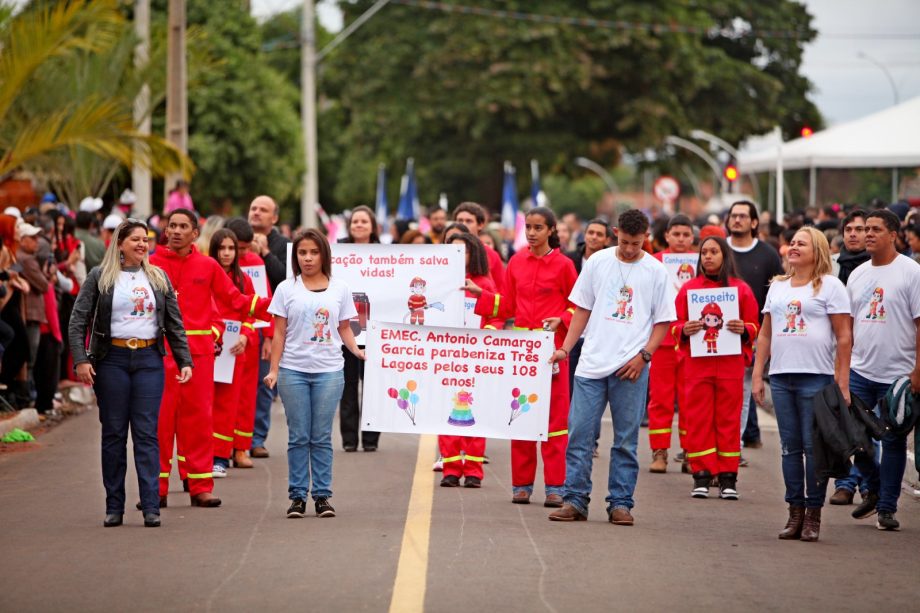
181, 458
474, 458
697, 454
164, 475
557, 433
495, 308
453, 458
660, 431
223, 438
200, 475
730, 454
241, 433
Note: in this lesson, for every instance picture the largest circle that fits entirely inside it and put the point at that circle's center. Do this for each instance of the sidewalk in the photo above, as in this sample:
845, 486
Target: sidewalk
76, 400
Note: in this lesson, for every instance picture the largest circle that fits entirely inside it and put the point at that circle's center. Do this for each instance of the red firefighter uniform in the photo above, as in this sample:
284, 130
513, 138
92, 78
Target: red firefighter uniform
496, 268
537, 288
469, 463
714, 387
186, 409
246, 409
231, 398
665, 385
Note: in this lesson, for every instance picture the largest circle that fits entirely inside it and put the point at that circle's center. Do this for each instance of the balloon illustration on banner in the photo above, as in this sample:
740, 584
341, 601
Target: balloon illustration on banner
521, 403
406, 398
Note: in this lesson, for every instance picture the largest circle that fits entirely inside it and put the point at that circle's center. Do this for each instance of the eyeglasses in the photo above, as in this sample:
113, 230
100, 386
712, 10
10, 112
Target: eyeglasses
739, 216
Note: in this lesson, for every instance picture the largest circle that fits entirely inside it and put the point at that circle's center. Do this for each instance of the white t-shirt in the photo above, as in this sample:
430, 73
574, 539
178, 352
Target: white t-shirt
885, 301
626, 301
134, 307
803, 338
312, 342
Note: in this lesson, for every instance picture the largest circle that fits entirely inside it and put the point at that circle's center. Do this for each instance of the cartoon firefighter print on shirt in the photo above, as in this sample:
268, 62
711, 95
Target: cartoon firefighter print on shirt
322, 333
623, 298
795, 322
143, 306
876, 308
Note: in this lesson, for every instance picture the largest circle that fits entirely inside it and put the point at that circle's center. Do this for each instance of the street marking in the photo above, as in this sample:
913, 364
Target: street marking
412, 571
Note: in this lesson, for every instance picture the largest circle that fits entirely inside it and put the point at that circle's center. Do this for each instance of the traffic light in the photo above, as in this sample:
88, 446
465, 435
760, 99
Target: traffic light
731, 173
806, 131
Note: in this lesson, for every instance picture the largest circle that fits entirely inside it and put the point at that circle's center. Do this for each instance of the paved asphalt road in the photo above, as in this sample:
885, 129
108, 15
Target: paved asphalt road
401, 543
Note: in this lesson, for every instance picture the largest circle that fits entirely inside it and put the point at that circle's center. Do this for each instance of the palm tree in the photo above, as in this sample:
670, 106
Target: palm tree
49, 113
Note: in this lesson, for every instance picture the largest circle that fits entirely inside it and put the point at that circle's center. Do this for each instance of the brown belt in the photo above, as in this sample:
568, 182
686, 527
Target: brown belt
133, 343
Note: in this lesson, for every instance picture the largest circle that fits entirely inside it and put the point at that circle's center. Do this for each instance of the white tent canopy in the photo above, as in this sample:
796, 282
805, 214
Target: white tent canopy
887, 139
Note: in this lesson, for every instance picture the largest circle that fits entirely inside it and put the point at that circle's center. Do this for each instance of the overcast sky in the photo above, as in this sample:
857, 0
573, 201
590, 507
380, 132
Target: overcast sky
846, 86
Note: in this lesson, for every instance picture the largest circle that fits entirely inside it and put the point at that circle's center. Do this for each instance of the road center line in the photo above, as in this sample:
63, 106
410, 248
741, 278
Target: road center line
412, 571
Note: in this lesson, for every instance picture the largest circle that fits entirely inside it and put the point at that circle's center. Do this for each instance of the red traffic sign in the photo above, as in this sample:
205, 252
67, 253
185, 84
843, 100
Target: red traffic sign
666, 188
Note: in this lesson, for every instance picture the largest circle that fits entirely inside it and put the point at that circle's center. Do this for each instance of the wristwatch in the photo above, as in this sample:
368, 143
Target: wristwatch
645, 355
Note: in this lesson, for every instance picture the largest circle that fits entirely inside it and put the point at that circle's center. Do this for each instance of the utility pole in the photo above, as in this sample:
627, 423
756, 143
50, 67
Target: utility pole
176, 86
308, 217
140, 175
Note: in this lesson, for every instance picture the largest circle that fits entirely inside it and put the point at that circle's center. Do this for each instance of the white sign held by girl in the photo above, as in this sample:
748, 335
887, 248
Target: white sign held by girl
714, 307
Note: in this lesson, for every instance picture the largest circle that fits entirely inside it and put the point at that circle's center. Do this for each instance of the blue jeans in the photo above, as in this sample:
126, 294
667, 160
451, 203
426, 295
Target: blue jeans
309, 402
627, 406
883, 478
264, 398
129, 387
793, 402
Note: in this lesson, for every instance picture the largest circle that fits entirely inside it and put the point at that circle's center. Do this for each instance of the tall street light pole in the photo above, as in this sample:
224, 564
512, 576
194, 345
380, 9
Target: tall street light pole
308, 200
140, 174
176, 85
897, 100
732, 151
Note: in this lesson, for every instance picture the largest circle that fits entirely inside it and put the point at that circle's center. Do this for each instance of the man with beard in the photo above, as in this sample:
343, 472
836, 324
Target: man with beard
756, 263
437, 217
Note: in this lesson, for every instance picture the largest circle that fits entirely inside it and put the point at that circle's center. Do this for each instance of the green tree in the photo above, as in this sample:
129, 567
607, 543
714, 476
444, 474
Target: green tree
461, 93
47, 114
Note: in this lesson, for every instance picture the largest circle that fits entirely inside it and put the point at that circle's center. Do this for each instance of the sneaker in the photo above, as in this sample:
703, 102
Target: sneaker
728, 488
867, 507
886, 521
742, 462
472, 482
438, 465
450, 481
681, 457
297, 509
323, 508
701, 482
218, 471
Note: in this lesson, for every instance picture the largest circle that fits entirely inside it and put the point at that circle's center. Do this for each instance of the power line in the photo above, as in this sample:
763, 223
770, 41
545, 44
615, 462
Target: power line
630, 26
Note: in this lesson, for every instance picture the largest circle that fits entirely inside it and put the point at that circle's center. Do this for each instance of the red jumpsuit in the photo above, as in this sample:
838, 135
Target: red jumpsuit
473, 447
186, 409
231, 398
665, 387
496, 268
714, 387
536, 289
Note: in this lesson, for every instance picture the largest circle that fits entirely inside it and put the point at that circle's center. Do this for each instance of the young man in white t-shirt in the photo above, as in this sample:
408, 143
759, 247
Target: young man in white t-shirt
885, 303
622, 297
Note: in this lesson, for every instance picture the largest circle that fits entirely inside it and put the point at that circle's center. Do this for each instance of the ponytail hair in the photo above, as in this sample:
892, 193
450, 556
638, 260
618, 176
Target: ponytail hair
550, 218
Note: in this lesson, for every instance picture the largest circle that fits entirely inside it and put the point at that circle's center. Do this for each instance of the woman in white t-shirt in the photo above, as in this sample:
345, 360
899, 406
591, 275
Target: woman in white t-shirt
806, 324
312, 311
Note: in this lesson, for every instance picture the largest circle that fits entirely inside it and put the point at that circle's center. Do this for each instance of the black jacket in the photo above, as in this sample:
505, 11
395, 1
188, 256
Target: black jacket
841, 431
276, 258
93, 310
849, 261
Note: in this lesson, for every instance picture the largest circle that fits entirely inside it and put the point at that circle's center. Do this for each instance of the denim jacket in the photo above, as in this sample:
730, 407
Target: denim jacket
93, 311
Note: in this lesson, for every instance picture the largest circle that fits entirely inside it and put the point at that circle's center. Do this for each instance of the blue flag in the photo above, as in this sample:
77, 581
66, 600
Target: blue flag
536, 194
382, 206
509, 198
408, 194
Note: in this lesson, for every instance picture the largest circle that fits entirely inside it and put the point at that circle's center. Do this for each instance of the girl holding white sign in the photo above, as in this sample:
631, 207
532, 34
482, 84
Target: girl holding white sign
713, 382
806, 324
537, 285
469, 465
312, 312
362, 230
230, 399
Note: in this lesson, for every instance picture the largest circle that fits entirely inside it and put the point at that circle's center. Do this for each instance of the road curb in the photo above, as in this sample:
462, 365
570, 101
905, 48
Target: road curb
26, 419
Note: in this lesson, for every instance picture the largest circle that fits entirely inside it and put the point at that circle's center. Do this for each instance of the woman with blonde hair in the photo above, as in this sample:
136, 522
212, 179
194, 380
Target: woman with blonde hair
211, 225
123, 311
807, 336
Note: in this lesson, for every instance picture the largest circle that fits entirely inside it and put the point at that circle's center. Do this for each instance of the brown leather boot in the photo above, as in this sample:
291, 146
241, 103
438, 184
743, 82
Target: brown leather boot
205, 499
793, 529
240, 459
659, 461
812, 525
